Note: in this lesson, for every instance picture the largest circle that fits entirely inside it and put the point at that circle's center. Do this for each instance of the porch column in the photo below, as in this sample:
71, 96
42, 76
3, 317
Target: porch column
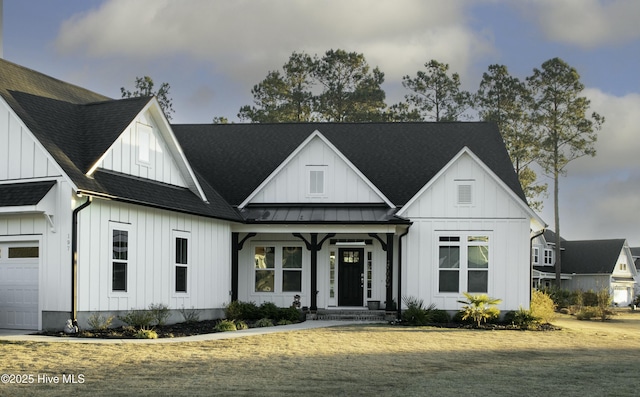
389, 306
236, 246
314, 246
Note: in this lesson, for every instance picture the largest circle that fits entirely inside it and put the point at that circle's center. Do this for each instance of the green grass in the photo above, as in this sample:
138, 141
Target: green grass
585, 358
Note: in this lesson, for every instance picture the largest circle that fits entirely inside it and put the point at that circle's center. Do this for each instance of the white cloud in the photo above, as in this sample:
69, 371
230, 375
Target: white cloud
617, 145
586, 23
245, 39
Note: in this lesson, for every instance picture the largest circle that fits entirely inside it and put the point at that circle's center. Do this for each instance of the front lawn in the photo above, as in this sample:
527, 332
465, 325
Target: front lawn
584, 358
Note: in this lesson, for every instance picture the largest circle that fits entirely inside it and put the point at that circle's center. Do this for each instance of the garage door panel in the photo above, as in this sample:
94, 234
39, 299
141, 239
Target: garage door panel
19, 286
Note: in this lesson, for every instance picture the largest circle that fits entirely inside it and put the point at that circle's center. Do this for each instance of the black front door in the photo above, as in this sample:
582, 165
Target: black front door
350, 276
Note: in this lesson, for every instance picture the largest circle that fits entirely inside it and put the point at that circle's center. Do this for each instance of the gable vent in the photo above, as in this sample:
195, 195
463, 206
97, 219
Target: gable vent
464, 194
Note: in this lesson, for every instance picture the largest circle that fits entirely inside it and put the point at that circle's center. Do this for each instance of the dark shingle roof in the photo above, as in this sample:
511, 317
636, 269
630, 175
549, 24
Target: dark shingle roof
19, 194
321, 214
591, 256
77, 126
399, 158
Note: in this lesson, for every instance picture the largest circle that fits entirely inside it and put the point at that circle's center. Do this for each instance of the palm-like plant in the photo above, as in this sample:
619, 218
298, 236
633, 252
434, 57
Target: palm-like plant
479, 308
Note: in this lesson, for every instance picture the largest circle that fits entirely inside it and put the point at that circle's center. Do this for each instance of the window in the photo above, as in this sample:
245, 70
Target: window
120, 260
277, 268
332, 274
291, 269
369, 274
535, 255
264, 269
182, 262
548, 257
144, 143
22, 252
463, 263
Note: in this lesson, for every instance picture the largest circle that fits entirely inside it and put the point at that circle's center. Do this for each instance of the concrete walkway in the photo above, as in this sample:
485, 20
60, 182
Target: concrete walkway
27, 335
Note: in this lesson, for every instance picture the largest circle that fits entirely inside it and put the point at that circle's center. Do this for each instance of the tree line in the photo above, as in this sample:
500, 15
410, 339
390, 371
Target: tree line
543, 119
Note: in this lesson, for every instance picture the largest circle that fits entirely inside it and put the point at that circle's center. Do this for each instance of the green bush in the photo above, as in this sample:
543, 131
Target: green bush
479, 308
140, 319
268, 310
99, 322
264, 322
415, 314
523, 318
146, 334
226, 325
542, 306
241, 325
290, 314
587, 313
160, 313
440, 316
238, 310
589, 298
283, 322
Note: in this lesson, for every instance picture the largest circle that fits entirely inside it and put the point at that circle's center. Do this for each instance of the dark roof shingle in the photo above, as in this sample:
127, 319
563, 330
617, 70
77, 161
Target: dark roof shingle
19, 194
591, 256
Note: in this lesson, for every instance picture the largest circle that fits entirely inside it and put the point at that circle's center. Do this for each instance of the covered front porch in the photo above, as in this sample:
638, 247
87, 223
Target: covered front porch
331, 265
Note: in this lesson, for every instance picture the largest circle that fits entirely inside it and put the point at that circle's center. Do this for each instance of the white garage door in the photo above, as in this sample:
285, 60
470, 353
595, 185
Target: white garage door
19, 285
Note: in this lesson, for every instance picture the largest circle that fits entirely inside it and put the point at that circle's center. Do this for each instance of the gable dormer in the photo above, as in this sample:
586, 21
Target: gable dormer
147, 148
316, 172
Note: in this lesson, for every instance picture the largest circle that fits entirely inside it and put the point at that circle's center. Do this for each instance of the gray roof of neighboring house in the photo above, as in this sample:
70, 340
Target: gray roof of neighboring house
550, 236
591, 256
398, 158
77, 126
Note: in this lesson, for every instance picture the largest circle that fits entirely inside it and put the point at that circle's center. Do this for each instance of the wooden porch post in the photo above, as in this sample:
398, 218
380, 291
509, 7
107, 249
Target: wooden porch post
389, 305
314, 246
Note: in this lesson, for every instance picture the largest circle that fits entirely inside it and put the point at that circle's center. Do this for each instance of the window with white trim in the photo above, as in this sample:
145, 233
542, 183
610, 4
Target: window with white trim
548, 256
181, 263
144, 143
463, 263
278, 268
535, 255
120, 258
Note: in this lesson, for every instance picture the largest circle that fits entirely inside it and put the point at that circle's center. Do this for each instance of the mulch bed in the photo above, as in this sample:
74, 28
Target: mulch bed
125, 332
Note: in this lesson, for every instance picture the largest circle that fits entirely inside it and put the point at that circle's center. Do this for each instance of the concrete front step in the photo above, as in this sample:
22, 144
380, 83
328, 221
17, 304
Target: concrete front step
350, 315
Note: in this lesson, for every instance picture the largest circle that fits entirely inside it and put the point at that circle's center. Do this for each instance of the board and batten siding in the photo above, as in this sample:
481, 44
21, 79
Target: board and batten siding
124, 155
152, 259
492, 212
21, 157
341, 183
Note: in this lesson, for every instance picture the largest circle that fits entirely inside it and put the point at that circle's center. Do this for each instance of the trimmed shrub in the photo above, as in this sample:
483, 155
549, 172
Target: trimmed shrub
268, 310
241, 325
238, 310
226, 325
160, 313
542, 306
587, 313
522, 318
146, 334
415, 314
440, 316
99, 322
141, 319
264, 322
290, 314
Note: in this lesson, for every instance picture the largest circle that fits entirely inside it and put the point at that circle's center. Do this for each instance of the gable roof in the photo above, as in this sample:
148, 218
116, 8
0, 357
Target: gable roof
398, 158
76, 126
591, 256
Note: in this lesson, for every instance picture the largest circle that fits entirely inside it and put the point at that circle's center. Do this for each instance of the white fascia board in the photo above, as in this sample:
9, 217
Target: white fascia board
24, 127
153, 107
535, 218
293, 154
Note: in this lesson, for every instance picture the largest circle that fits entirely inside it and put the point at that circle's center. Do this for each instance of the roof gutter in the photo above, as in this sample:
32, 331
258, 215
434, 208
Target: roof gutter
74, 260
531, 238
399, 306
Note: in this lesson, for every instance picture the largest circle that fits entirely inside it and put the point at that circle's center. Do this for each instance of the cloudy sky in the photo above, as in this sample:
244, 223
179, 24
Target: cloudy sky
212, 52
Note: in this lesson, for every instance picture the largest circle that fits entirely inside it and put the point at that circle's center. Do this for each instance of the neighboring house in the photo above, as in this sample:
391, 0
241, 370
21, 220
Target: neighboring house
105, 207
588, 265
